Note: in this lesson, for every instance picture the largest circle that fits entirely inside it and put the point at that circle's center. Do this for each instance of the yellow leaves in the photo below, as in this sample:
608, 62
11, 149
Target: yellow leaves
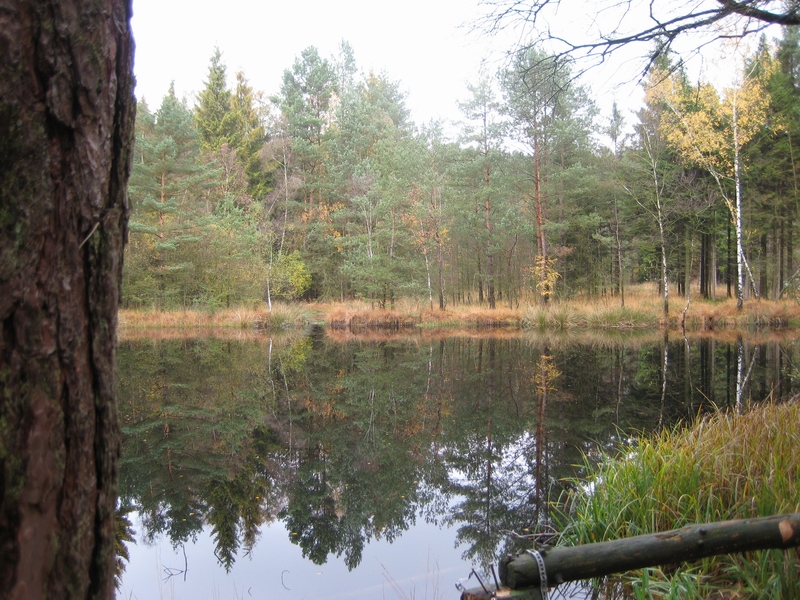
705, 129
748, 107
546, 374
544, 274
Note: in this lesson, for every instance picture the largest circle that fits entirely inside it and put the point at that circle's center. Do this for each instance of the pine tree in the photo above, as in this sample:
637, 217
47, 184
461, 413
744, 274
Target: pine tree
371, 154
169, 205
483, 134
305, 100
552, 118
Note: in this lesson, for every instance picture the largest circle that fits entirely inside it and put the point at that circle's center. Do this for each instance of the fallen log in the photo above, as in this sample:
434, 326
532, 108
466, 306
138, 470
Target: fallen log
521, 572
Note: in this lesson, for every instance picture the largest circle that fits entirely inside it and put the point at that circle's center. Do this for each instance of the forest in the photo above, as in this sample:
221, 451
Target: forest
328, 190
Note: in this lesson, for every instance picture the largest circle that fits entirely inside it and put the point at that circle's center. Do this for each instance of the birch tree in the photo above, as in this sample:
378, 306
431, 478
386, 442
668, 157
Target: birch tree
652, 196
710, 132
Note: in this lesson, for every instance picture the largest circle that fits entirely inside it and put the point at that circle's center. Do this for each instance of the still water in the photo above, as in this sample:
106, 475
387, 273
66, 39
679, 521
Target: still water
319, 467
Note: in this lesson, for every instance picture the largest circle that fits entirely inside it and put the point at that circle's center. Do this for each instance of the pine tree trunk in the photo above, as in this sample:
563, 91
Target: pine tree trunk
713, 268
490, 275
66, 127
704, 264
763, 284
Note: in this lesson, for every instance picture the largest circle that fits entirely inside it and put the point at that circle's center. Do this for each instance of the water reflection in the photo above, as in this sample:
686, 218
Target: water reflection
347, 442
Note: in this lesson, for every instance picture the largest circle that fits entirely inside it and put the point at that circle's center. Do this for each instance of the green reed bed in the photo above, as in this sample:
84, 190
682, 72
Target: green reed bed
726, 466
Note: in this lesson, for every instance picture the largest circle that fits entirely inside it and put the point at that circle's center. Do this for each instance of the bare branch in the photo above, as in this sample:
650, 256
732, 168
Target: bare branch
750, 9
620, 23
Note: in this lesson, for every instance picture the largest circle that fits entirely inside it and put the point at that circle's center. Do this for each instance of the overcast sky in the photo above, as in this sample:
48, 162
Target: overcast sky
419, 42
426, 45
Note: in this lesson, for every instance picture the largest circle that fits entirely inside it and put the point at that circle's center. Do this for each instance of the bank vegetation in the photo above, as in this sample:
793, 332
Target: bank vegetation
724, 466
642, 310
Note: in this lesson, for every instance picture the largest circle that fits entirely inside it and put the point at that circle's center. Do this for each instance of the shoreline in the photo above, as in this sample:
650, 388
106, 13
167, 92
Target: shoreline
639, 314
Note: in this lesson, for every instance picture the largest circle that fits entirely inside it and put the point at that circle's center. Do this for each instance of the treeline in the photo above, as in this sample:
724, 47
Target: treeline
328, 190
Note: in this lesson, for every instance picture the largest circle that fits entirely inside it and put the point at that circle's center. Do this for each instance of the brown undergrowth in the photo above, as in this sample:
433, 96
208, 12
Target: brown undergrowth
642, 310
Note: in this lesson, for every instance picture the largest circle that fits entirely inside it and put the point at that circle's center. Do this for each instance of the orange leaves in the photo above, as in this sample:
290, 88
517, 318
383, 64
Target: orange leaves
321, 212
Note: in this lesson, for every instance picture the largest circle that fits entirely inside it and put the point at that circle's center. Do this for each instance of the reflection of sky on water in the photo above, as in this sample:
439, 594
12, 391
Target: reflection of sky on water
422, 563
490, 464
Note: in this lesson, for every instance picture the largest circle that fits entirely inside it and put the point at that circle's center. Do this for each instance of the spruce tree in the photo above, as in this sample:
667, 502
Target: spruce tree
213, 118
248, 136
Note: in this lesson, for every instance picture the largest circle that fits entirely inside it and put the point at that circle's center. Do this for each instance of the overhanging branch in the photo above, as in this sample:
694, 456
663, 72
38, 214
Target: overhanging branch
666, 22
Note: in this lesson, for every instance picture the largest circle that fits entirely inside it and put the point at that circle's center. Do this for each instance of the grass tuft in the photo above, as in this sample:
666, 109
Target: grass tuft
282, 316
580, 315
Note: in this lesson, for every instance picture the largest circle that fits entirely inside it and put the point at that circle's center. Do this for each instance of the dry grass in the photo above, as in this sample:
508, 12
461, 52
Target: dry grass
126, 334
360, 319
281, 316
642, 310
422, 335
138, 319
359, 316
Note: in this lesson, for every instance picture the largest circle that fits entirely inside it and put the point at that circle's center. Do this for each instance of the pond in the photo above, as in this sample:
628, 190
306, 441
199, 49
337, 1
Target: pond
322, 466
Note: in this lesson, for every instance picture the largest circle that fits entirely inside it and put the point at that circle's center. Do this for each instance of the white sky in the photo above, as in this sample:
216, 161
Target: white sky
426, 45
417, 42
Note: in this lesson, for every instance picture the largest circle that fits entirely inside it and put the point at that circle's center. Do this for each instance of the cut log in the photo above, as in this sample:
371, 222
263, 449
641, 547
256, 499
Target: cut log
520, 572
679, 545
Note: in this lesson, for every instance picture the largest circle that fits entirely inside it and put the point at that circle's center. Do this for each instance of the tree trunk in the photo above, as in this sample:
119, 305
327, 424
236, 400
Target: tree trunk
66, 132
538, 198
713, 268
729, 264
620, 274
781, 246
737, 213
704, 267
490, 275
763, 283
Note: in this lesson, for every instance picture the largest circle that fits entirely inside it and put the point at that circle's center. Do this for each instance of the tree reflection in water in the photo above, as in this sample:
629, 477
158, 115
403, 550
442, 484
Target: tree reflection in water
346, 442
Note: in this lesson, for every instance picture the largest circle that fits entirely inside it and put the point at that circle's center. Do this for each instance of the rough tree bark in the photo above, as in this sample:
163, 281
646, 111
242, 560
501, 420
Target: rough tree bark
66, 125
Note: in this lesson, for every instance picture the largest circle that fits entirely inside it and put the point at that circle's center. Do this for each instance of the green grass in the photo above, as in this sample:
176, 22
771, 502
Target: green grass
577, 316
723, 467
283, 316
